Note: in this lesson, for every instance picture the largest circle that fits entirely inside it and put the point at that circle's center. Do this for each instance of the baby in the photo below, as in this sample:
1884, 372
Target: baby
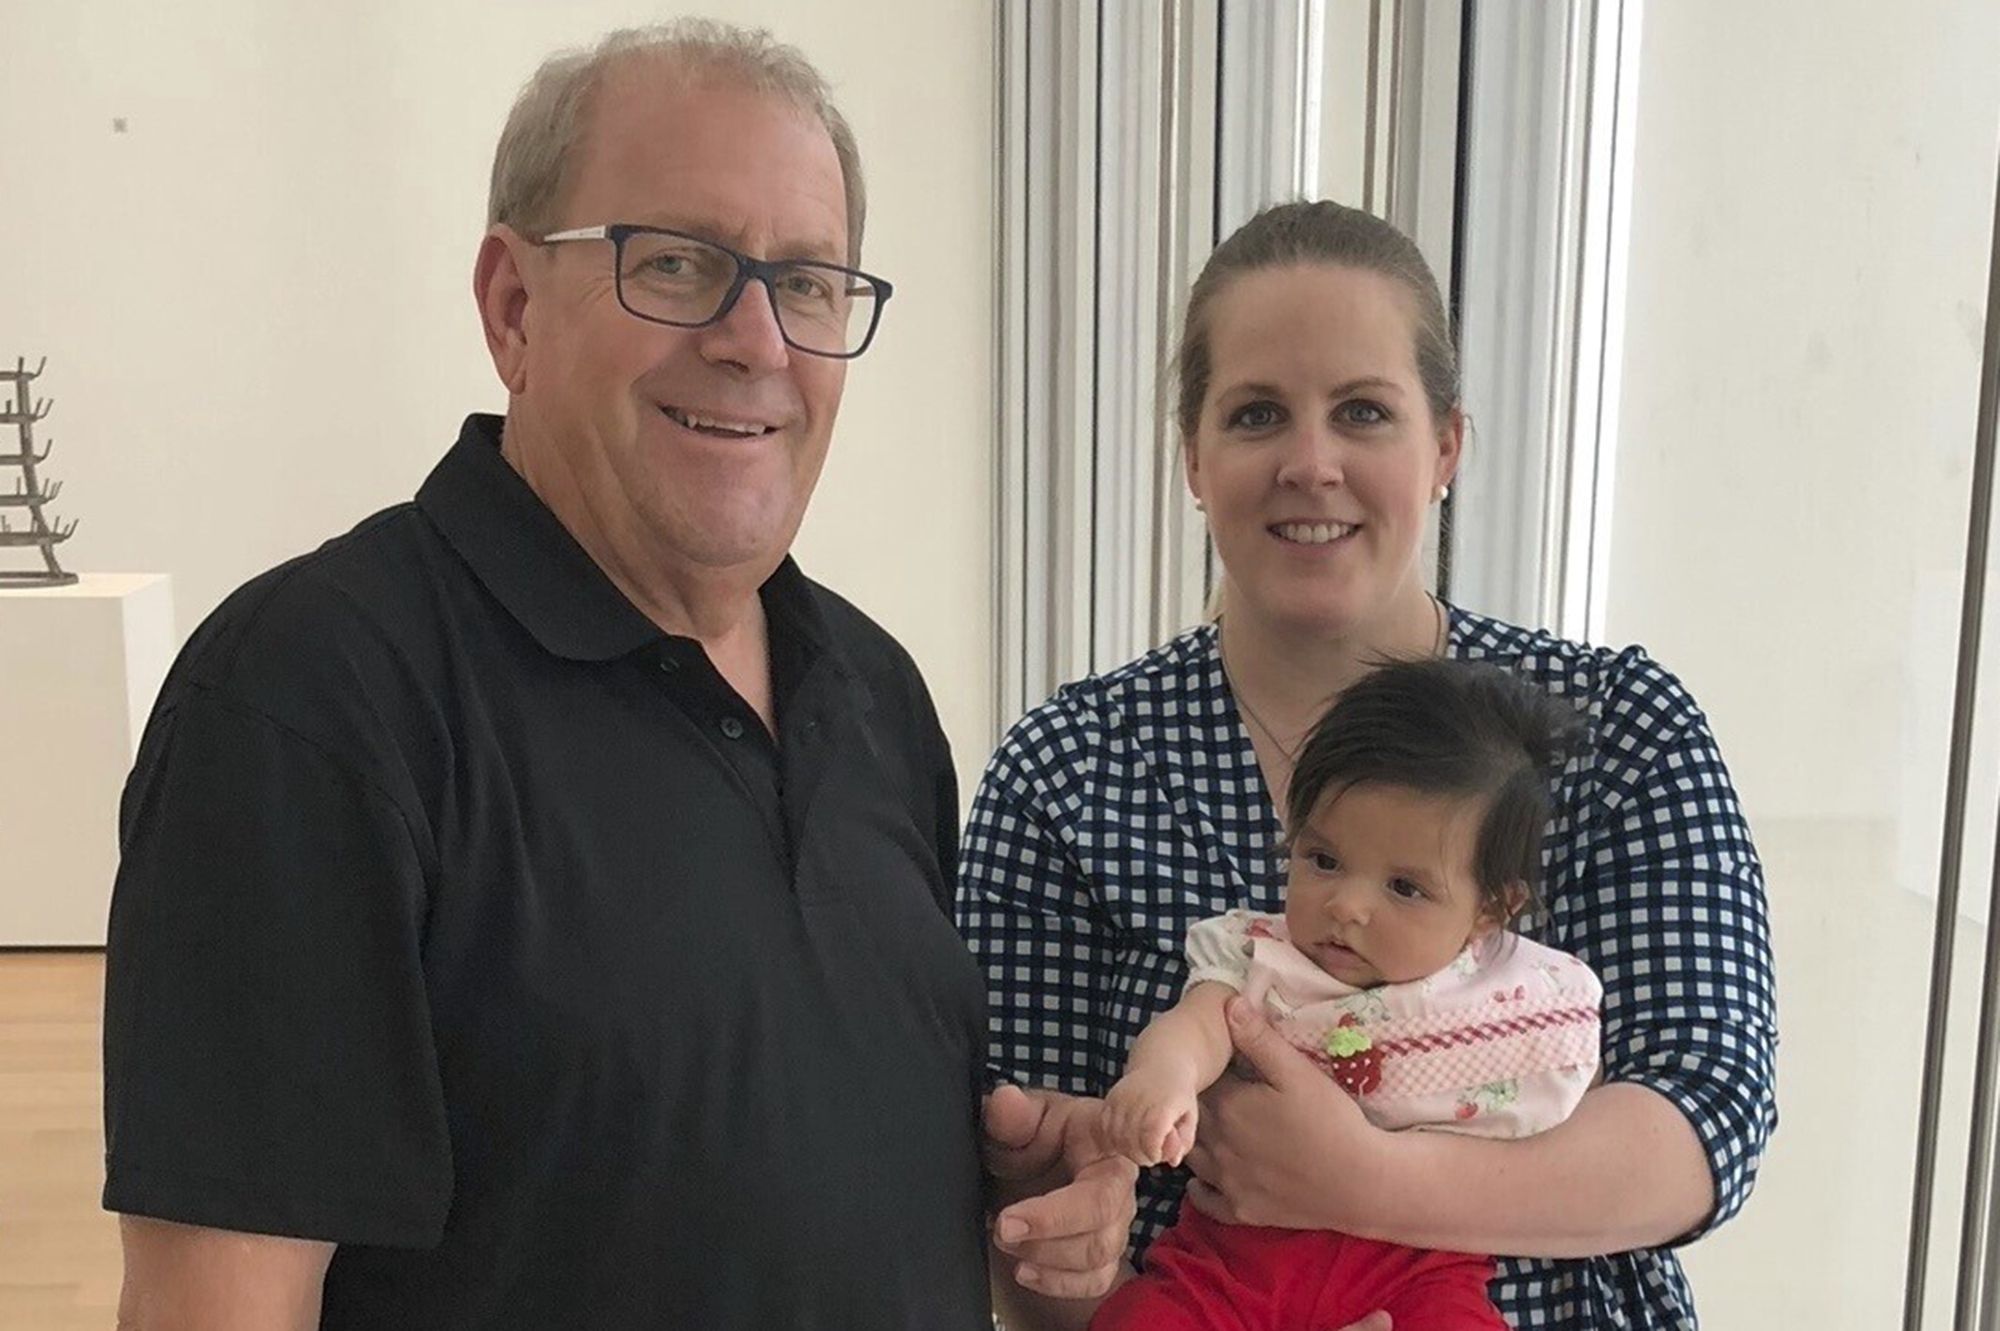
1416, 816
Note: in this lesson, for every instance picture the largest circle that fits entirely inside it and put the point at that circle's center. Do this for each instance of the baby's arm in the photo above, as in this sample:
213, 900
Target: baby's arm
1149, 1116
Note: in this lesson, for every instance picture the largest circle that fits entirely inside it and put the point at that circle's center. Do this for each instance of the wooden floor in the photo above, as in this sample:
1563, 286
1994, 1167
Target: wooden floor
58, 1251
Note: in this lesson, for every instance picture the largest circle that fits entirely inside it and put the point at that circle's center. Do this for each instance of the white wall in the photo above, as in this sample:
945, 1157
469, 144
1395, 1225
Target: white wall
1813, 189
255, 299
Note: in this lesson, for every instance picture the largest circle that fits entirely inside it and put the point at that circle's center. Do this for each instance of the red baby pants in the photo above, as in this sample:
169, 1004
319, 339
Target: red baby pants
1202, 1275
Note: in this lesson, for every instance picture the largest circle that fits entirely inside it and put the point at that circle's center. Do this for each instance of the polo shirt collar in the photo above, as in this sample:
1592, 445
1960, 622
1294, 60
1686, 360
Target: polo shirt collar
528, 560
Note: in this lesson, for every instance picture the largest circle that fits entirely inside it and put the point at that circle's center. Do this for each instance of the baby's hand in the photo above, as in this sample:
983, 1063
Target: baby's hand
1149, 1118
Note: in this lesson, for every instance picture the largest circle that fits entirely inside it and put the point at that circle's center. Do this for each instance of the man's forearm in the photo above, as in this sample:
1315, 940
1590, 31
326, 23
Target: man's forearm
1624, 1171
188, 1278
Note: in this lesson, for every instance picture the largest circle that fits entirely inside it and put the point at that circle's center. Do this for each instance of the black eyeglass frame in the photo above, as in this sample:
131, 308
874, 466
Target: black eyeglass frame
748, 270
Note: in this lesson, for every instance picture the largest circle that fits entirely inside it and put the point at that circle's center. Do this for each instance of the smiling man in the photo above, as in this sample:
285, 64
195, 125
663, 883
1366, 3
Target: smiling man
534, 903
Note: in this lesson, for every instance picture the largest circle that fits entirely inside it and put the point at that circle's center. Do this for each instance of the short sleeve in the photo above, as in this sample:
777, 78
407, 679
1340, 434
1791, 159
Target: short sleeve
267, 1046
1218, 950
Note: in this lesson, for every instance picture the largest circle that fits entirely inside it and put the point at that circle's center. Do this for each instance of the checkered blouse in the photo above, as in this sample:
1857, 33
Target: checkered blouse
1130, 805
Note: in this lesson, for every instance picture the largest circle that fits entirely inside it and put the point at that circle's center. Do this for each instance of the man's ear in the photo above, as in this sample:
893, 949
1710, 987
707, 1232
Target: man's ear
500, 290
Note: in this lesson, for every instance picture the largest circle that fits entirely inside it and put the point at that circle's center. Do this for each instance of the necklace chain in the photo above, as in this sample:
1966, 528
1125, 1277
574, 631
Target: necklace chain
1290, 752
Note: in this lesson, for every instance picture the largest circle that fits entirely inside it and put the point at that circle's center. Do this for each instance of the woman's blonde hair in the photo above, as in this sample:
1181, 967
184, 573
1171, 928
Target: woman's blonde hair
1318, 232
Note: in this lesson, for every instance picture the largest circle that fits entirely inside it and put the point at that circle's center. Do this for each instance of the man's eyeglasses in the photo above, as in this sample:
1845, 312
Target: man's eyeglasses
672, 278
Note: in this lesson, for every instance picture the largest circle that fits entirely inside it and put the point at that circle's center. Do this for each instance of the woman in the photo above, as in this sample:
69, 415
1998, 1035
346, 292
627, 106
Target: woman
1319, 414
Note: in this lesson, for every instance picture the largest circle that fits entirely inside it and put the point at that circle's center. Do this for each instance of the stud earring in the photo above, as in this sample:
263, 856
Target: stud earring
1442, 493
1200, 504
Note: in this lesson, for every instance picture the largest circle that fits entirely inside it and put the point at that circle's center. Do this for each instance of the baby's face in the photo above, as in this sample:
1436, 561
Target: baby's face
1382, 887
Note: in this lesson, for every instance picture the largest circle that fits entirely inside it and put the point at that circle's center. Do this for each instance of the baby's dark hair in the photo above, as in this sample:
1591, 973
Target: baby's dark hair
1442, 727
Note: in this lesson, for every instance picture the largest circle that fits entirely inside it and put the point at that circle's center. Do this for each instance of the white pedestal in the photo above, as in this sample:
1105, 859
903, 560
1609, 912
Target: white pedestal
79, 669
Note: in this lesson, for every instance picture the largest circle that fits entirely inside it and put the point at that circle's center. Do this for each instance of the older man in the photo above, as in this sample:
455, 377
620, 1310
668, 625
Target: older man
534, 903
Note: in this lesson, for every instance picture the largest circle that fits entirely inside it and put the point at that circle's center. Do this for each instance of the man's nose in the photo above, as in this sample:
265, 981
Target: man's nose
748, 336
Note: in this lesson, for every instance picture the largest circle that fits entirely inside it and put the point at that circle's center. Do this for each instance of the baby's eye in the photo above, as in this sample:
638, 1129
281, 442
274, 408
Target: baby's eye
1255, 416
1406, 889
1323, 862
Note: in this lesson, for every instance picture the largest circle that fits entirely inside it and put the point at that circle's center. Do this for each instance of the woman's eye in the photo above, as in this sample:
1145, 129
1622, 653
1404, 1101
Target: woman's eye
1363, 412
1255, 416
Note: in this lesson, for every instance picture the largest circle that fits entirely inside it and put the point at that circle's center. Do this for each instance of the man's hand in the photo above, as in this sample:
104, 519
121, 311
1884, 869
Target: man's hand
1067, 1197
1289, 1149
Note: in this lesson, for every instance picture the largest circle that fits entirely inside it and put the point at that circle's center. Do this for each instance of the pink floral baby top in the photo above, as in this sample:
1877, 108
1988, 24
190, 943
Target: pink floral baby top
1500, 1043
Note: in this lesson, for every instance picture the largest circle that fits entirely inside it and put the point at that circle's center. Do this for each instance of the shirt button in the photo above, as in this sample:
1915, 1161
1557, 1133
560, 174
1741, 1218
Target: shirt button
670, 665
732, 728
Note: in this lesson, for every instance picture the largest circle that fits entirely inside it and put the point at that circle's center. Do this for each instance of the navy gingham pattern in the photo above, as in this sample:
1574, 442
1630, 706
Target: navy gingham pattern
1130, 805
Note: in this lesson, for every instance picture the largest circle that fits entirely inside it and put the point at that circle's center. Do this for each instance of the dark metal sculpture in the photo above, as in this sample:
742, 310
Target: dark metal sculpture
29, 491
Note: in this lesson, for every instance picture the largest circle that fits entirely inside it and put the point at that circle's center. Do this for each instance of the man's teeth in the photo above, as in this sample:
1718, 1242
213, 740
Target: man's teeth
1313, 533
695, 422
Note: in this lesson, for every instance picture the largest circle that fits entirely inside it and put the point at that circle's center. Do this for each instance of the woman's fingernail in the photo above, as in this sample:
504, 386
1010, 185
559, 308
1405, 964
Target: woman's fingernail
1027, 1275
1011, 1229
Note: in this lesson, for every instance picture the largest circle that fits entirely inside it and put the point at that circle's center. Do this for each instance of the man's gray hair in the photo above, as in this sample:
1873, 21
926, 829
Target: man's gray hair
532, 162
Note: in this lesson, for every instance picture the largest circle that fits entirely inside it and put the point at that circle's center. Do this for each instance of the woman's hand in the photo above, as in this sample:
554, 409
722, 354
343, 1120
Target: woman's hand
1289, 1149
1150, 1116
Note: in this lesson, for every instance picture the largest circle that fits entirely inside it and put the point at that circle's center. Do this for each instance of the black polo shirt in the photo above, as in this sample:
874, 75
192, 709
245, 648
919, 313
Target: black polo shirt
471, 923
